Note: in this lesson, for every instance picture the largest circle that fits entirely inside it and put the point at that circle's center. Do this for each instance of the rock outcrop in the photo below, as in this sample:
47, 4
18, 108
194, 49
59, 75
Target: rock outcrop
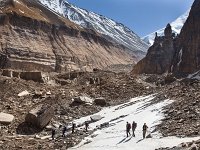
187, 59
160, 55
180, 55
36, 76
35, 38
40, 116
5, 118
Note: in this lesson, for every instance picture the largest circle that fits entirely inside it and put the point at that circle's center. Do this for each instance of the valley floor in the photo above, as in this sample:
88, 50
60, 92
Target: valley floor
167, 119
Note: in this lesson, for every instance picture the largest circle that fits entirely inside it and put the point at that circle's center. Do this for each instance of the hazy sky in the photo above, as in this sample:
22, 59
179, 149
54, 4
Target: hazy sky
142, 16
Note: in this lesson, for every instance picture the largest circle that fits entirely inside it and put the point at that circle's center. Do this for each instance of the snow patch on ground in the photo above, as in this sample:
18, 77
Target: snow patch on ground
114, 136
195, 75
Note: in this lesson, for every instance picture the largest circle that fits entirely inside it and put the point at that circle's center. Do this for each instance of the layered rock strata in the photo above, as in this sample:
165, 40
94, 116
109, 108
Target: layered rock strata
35, 38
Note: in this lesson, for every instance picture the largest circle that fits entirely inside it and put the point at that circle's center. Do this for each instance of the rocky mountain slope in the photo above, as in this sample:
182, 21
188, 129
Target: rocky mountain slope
110, 29
176, 28
160, 55
33, 37
183, 51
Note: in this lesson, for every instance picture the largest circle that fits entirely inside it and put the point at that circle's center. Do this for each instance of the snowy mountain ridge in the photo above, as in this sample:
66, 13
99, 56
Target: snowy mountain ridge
176, 28
110, 29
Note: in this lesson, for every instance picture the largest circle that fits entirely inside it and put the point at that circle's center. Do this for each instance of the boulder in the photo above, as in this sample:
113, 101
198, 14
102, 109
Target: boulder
169, 78
34, 76
40, 116
149, 135
16, 74
6, 118
7, 73
96, 118
104, 125
100, 101
40, 93
82, 100
24, 93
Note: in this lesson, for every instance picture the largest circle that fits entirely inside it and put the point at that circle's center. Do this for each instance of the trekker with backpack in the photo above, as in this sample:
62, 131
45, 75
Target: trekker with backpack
128, 128
134, 125
144, 129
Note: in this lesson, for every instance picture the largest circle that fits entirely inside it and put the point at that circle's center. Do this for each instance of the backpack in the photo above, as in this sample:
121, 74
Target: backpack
129, 126
134, 125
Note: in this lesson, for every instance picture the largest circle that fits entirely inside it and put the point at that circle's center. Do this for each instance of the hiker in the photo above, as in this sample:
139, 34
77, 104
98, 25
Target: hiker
64, 131
53, 132
86, 125
144, 129
128, 128
134, 125
73, 127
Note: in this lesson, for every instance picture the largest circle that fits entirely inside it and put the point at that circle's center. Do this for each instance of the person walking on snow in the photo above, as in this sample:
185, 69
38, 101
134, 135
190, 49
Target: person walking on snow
128, 128
73, 127
134, 125
144, 129
53, 132
64, 131
86, 126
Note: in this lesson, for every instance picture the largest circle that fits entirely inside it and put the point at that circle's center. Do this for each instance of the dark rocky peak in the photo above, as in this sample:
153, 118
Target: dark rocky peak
159, 56
168, 31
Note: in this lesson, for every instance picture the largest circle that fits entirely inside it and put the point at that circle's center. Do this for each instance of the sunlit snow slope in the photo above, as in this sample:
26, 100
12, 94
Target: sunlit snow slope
139, 109
176, 28
110, 29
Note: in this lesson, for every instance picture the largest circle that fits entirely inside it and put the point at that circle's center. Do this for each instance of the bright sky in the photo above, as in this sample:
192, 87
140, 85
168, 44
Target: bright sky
142, 16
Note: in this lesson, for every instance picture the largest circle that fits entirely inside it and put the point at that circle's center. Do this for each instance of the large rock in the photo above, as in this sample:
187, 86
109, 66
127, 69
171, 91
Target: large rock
40, 116
100, 101
35, 76
23, 93
7, 73
169, 78
82, 100
96, 118
6, 118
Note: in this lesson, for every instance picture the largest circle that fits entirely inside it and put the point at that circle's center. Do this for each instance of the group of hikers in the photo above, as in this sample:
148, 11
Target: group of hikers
128, 129
64, 130
133, 126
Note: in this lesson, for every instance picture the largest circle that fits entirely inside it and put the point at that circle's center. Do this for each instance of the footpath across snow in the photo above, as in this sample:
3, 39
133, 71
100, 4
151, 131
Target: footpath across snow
114, 136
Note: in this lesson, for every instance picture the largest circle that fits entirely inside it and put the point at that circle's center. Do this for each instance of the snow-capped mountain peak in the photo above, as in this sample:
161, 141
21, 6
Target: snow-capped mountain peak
176, 28
110, 29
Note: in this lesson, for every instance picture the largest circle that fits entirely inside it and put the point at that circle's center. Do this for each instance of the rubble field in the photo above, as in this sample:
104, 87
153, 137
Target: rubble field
70, 95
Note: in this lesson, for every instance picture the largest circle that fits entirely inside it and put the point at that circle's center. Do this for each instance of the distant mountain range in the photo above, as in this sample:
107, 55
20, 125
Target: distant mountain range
111, 30
176, 28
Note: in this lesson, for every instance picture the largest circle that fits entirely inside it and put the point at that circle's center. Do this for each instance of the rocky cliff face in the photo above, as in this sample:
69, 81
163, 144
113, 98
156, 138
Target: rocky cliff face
159, 57
187, 59
34, 38
180, 55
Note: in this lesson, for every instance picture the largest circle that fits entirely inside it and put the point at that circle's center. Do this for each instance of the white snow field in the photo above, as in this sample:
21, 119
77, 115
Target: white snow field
114, 136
